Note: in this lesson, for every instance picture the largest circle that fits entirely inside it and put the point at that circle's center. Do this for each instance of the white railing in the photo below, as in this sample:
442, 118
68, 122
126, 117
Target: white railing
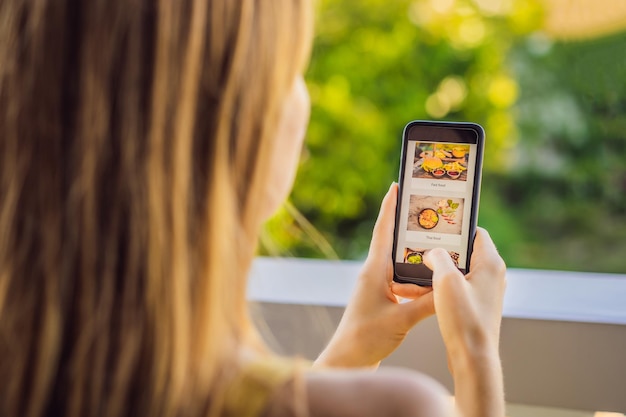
563, 336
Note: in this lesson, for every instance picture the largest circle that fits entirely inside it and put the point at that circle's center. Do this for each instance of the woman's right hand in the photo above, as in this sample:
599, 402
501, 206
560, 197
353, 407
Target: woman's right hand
469, 308
469, 313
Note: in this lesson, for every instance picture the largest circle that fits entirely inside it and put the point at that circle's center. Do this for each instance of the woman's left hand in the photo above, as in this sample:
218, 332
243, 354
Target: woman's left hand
375, 322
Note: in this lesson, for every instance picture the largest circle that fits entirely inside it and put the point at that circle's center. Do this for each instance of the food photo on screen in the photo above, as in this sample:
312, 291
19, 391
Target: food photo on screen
442, 161
435, 214
415, 256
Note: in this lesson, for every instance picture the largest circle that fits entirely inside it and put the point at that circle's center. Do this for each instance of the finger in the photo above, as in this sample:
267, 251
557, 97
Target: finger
439, 261
382, 237
410, 291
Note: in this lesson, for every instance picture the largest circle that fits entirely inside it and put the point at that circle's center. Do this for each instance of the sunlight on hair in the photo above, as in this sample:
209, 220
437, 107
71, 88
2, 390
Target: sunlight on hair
316, 237
310, 232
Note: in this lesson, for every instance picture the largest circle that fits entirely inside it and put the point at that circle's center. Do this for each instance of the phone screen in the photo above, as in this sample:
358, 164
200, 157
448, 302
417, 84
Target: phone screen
438, 198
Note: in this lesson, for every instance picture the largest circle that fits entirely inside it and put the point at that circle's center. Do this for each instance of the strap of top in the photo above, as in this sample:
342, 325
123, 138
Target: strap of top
249, 393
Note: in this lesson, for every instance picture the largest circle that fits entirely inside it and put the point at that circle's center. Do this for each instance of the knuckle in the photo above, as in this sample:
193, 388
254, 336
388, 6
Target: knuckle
498, 268
500, 274
501, 267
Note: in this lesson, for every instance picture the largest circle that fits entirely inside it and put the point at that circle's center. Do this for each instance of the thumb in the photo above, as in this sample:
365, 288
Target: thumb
382, 237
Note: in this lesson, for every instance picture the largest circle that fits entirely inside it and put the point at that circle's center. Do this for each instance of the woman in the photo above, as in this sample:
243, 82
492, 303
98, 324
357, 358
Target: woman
142, 145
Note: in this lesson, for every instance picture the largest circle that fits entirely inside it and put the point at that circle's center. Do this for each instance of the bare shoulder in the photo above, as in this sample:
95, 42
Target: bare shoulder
386, 392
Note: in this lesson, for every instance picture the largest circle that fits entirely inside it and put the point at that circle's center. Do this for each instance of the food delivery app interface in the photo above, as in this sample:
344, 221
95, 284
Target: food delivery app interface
436, 200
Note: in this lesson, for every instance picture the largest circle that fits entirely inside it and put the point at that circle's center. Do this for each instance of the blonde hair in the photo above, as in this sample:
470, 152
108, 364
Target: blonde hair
135, 138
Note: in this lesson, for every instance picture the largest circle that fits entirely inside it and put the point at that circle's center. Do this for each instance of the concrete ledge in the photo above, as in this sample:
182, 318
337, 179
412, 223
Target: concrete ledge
563, 335
531, 294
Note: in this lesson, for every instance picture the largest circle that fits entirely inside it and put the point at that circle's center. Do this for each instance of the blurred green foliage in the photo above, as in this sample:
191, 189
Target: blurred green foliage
567, 187
549, 198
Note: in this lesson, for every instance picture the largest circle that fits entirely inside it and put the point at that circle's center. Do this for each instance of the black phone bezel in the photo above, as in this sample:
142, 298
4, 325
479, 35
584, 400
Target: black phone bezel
454, 132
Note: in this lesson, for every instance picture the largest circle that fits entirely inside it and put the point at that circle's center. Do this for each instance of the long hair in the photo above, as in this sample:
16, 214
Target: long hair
135, 138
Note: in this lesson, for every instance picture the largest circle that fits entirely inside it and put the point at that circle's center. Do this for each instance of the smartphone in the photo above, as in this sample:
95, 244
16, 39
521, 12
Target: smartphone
439, 187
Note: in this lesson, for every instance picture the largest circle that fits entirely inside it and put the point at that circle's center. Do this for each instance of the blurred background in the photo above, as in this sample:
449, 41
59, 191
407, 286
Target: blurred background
545, 78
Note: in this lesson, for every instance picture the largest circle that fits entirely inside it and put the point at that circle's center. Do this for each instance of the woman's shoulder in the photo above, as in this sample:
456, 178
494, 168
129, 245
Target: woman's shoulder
386, 392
